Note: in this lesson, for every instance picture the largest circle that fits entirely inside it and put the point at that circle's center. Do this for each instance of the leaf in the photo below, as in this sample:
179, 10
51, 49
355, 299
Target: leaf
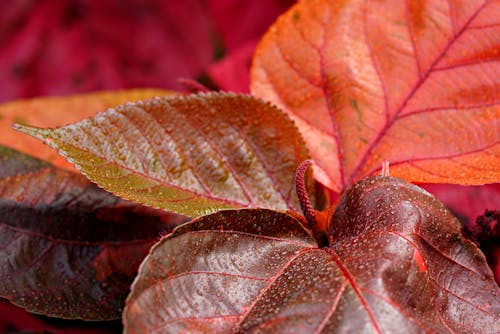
396, 264
69, 249
190, 155
54, 48
58, 111
411, 82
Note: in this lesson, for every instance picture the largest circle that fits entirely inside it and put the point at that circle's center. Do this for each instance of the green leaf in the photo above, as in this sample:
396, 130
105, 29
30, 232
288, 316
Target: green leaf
191, 154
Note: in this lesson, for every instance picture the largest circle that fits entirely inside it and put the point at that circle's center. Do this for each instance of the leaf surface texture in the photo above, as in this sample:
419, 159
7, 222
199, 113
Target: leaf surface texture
413, 82
192, 154
396, 263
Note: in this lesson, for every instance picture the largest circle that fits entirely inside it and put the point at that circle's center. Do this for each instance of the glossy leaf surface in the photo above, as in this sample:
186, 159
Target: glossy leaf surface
413, 82
59, 111
68, 248
191, 155
396, 264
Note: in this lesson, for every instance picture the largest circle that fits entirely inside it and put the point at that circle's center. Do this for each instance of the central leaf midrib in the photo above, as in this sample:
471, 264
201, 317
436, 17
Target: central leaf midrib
160, 182
355, 288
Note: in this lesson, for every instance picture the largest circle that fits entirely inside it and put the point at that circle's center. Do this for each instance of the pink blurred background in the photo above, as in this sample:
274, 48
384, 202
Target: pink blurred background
59, 47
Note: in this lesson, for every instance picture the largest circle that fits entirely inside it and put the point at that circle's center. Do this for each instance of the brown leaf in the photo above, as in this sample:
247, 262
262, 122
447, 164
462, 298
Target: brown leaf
191, 154
69, 249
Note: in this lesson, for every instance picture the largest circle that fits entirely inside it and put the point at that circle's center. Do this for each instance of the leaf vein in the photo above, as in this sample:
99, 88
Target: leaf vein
356, 289
412, 92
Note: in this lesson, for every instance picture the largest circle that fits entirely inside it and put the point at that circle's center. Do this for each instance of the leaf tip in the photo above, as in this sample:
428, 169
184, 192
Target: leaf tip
33, 131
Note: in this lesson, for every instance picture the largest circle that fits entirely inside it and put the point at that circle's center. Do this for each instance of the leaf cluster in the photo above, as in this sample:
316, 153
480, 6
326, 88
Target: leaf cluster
195, 199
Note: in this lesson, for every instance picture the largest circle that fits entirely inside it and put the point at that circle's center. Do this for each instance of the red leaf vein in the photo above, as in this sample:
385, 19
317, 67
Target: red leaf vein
356, 289
412, 92
332, 308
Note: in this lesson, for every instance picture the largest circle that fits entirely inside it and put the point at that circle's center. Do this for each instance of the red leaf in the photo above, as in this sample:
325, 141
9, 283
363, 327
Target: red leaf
412, 82
396, 263
241, 24
69, 249
61, 47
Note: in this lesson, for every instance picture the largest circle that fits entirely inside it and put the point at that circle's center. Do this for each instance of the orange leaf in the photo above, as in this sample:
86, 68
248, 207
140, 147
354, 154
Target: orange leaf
416, 83
58, 111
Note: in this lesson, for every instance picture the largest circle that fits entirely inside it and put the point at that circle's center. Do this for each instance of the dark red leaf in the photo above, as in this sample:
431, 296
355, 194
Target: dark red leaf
69, 249
437, 276
396, 263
